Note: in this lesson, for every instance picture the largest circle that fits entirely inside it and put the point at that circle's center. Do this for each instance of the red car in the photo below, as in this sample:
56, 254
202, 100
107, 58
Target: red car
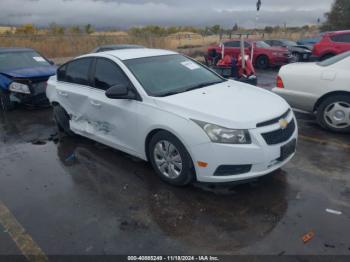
331, 44
264, 55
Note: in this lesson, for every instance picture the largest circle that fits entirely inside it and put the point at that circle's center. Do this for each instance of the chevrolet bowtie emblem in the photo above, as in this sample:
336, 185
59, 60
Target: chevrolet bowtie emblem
283, 123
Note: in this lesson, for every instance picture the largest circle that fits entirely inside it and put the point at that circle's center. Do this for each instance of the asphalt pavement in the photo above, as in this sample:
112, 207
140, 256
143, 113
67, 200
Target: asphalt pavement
72, 196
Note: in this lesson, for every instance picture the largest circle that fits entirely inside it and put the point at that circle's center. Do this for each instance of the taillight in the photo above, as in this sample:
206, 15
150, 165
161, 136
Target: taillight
279, 83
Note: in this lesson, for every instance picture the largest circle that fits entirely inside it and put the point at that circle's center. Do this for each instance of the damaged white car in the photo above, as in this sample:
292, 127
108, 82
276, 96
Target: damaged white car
165, 108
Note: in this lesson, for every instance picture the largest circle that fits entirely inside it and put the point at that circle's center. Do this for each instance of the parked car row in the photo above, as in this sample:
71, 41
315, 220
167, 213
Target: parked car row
277, 52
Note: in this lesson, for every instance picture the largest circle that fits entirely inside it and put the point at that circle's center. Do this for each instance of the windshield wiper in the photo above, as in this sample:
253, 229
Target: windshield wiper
170, 93
191, 88
203, 85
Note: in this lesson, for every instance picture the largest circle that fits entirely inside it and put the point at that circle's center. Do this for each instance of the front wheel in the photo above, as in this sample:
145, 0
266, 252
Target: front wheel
334, 113
262, 62
297, 57
170, 159
62, 120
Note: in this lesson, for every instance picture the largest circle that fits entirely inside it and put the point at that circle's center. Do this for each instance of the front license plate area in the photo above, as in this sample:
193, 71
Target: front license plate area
288, 149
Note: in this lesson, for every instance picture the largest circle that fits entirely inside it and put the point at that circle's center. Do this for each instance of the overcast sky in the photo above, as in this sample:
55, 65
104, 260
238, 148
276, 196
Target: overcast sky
126, 13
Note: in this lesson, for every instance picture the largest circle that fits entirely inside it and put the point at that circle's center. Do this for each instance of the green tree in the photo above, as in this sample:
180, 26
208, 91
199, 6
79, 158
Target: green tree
339, 16
216, 29
56, 29
235, 28
27, 29
74, 30
269, 29
89, 29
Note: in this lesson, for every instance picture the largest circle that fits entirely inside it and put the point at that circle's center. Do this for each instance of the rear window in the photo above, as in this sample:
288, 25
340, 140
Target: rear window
343, 38
335, 59
262, 44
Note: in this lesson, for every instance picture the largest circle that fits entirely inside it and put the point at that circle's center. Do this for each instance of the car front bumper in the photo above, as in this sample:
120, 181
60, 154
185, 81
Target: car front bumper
37, 95
261, 157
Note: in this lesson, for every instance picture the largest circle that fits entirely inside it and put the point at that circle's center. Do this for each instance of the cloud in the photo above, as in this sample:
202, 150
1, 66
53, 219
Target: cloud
126, 13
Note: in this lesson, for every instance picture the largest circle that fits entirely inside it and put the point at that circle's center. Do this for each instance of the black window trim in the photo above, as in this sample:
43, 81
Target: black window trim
339, 35
67, 65
93, 71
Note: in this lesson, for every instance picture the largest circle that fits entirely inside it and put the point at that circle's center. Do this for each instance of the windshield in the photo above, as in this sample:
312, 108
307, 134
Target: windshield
12, 60
334, 59
262, 44
170, 74
289, 43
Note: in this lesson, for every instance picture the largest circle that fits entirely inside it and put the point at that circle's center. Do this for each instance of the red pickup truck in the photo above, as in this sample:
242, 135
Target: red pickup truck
264, 55
331, 44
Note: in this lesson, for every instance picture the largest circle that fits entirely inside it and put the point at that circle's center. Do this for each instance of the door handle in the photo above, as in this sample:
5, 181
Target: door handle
94, 103
62, 93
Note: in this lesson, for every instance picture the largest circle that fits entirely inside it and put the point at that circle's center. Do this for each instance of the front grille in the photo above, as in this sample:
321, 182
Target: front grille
38, 88
280, 135
273, 121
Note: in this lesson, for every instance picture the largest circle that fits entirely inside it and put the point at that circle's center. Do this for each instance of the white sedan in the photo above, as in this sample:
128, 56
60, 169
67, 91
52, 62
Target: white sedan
322, 88
163, 107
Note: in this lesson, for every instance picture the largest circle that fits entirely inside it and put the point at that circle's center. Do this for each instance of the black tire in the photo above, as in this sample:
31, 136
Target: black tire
298, 57
262, 62
62, 120
327, 56
5, 102
322, 110
187, 174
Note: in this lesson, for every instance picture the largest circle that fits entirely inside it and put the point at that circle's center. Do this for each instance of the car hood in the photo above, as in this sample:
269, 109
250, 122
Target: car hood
31, 72
230, 104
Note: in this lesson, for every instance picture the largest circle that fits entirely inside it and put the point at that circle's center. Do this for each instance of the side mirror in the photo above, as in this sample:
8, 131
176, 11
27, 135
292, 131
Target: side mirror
120, 91
51, 62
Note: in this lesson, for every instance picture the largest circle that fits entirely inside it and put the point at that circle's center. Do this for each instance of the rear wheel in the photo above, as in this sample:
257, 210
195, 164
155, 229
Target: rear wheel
262, 62
170, 159
334, 113
297, 57
62, 120
5, 101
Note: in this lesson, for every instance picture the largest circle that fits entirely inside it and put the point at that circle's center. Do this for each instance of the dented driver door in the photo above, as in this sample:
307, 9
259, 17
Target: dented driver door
111, 121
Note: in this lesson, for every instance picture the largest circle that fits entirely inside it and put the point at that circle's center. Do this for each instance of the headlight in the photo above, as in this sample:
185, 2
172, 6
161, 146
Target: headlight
218, 134
19, 88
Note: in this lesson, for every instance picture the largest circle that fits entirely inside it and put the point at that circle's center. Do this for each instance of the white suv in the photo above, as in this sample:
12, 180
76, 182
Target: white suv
170, 110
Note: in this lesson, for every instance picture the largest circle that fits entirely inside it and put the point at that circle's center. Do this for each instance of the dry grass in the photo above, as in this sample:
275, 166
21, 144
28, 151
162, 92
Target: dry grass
70, 46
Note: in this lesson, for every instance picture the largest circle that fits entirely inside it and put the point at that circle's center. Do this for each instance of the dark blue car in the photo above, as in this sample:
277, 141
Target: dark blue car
23, 77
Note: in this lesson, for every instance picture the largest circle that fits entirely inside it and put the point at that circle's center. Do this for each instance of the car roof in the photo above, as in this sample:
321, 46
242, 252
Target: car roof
336, 32
121, 46
14, 49
126, 54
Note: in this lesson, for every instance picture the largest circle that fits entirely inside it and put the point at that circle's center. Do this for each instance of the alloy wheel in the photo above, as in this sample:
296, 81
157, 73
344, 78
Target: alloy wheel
337, 115
168, 159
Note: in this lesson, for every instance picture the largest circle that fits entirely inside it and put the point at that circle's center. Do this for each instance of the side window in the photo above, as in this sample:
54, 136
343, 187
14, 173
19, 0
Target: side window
246, 45
232, 44
77, 71
277, 43
108, 74
61, 73
344, 38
